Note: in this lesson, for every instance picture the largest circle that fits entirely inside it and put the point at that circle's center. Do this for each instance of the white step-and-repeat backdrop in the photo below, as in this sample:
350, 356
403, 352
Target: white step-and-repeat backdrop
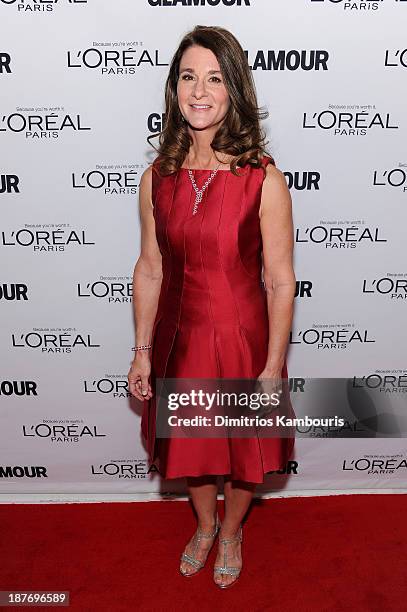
81, 89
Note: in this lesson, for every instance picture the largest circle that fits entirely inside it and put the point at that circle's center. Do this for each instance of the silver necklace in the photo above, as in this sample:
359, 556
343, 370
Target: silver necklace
199, 192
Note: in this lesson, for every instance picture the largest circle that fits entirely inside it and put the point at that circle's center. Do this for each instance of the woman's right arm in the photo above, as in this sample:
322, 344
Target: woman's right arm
147, 278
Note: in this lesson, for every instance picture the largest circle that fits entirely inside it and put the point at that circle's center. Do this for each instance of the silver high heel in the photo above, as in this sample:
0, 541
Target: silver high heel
226, 569
191, 558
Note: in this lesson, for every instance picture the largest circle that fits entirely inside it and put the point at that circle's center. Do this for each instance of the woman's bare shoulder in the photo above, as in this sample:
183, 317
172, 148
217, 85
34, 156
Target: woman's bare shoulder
145, 186
275, 192
274, 174
147, 174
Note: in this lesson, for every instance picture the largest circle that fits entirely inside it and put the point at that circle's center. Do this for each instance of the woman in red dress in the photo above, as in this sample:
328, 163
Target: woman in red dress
216, 217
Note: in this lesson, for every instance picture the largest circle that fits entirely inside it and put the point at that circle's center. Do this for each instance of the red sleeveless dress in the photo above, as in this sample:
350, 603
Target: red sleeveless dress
212, 319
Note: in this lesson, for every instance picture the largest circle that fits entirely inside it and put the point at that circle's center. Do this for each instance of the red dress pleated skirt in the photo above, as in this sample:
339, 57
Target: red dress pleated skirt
212, 319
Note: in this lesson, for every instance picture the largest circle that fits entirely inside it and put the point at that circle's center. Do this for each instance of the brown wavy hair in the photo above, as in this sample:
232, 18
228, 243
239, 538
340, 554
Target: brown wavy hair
240, 133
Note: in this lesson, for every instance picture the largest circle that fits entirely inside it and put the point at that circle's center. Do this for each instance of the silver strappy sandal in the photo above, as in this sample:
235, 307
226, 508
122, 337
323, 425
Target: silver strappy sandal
191, 558
225, 569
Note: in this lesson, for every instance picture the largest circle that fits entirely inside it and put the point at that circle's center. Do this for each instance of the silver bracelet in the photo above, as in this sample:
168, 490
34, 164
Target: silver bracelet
141, 347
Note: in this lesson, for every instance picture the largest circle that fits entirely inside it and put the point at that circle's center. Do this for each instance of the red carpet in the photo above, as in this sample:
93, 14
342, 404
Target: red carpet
332, 553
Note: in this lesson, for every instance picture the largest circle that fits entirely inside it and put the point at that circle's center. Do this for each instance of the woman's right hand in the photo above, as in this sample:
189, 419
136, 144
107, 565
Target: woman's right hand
139, 372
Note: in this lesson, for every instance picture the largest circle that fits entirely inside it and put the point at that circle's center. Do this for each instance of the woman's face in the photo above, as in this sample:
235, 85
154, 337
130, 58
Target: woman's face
202, 96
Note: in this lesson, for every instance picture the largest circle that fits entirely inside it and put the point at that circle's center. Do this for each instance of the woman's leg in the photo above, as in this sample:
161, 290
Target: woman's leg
238, 496
203, 491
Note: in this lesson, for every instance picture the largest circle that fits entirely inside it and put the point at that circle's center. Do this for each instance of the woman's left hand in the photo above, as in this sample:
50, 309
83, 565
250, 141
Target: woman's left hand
270, 382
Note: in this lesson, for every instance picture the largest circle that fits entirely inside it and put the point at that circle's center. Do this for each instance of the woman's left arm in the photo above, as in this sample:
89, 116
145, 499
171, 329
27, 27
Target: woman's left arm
277, 232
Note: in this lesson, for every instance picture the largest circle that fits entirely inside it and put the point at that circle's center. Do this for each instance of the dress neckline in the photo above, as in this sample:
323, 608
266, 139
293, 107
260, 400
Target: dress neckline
206, 169
210, 169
